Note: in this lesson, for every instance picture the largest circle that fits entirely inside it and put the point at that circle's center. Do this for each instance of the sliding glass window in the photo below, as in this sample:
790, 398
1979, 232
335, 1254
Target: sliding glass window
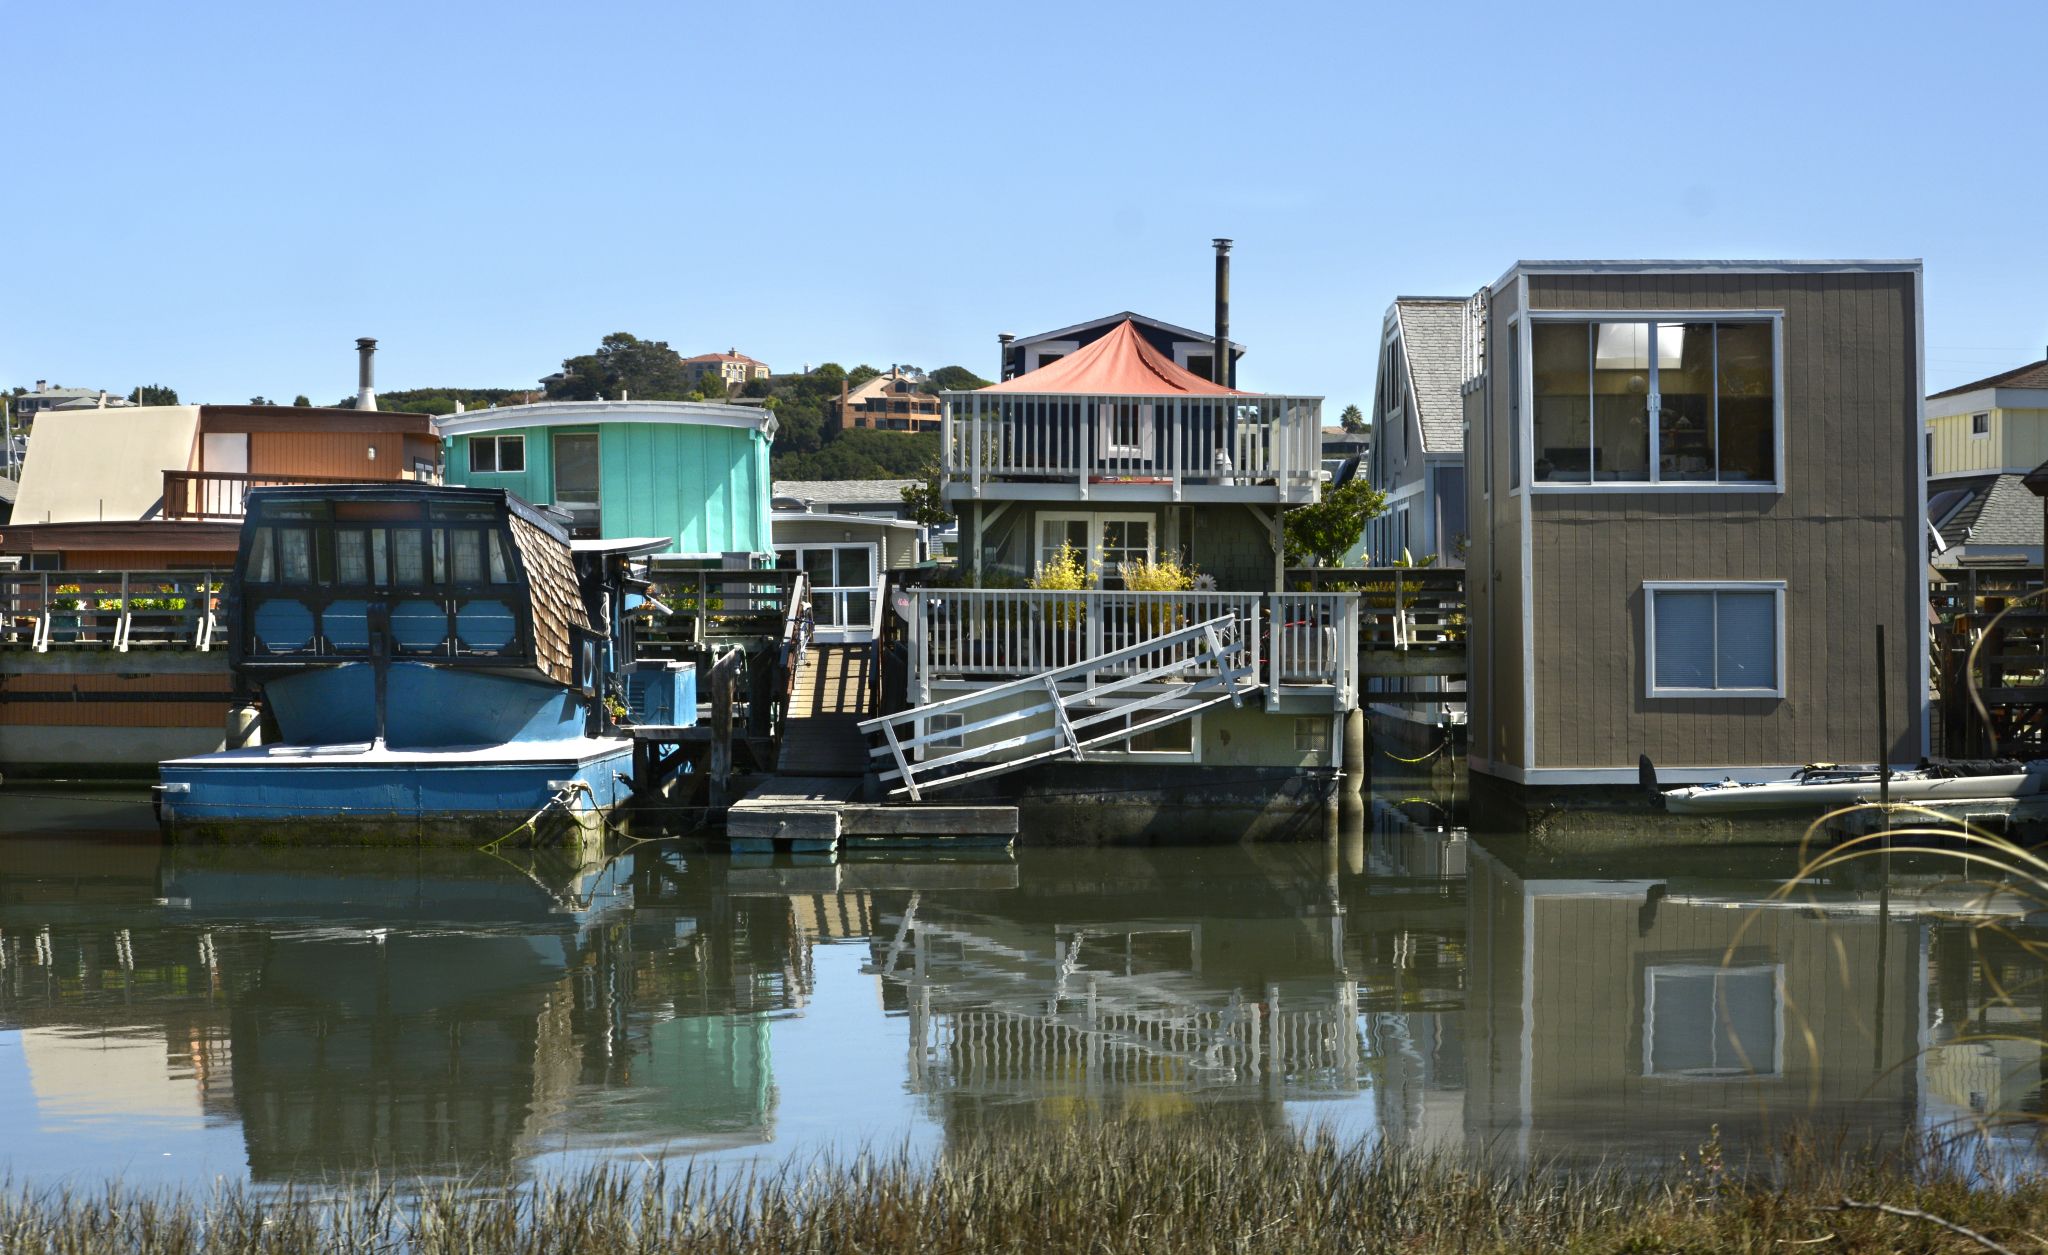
1654, 402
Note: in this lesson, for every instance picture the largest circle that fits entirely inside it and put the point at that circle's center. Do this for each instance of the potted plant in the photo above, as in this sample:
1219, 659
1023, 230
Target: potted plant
1156, 617
1065, 570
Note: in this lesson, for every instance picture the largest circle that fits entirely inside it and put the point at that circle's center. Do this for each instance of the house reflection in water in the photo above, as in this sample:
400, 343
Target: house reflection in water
1615, 1017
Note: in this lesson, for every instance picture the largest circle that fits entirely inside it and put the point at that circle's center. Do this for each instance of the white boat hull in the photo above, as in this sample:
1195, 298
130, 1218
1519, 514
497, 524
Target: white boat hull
1822, 795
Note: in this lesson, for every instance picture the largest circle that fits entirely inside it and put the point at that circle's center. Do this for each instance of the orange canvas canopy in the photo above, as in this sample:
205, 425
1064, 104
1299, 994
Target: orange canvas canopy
1119, 364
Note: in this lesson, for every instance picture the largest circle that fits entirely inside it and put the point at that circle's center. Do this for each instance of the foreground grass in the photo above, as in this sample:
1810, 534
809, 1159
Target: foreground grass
1104, 1189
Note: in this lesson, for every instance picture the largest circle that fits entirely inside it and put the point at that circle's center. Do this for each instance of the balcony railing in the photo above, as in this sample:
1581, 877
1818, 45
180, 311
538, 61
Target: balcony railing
1291, 639
221, 494
117, 610
1179, 443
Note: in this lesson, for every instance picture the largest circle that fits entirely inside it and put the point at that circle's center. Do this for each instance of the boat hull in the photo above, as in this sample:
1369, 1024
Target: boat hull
1790, 795
363, 794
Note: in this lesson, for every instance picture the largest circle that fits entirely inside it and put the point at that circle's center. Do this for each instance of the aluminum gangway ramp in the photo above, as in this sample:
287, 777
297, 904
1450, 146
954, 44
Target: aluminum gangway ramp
1063, 712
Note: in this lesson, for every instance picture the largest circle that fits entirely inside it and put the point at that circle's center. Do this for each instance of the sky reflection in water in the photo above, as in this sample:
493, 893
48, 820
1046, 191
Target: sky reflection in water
186, 1014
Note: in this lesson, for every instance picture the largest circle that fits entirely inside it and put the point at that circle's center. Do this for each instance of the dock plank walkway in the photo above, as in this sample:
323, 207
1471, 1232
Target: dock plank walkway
821, 732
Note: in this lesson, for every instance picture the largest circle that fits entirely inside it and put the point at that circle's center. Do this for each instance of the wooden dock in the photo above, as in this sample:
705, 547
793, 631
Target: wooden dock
834, 690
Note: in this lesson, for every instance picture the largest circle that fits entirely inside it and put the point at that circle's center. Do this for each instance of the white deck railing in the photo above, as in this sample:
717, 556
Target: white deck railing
1177, 441
1004, 634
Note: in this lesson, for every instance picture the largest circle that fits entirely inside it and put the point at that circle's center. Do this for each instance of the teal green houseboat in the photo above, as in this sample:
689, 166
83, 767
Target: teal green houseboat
694, 472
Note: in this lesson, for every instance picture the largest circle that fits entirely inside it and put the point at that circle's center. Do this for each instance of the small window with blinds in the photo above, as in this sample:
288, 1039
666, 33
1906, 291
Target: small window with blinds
1715, 640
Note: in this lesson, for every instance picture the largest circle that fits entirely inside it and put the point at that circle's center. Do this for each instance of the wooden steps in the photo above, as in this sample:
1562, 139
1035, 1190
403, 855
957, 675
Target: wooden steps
821, 734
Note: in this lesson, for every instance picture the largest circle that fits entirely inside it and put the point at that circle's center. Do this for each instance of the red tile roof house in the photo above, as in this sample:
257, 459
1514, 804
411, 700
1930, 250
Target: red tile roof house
733, 366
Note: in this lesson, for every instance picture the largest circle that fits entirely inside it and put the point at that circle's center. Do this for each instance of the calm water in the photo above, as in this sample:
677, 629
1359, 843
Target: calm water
182, 1015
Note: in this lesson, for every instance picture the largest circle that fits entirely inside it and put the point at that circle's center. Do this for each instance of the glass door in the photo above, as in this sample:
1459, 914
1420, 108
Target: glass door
576, 481
845, 588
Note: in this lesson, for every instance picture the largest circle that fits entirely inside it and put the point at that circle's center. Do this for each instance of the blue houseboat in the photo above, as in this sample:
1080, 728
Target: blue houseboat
431, 662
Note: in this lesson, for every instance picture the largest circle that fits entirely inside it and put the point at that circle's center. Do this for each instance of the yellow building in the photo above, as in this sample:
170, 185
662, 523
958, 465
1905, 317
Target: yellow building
1981, 438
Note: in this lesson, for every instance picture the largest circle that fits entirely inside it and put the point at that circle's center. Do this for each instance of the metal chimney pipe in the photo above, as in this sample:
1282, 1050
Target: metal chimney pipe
366, 393
1222, 364
1003, 339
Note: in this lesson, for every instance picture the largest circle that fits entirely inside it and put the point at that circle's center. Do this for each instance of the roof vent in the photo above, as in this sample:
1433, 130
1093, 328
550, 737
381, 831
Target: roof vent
366, 394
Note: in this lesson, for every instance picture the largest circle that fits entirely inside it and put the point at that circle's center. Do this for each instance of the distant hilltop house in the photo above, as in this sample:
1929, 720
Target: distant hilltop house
1191, 351
1983, 437
888, 402
1418, 421
46, 398
732, 366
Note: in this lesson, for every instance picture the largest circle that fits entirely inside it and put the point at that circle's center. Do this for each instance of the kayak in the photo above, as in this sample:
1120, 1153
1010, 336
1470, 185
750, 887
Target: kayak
1817, 789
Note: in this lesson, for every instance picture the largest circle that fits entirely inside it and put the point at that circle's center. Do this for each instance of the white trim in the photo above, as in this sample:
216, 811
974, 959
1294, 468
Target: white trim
583, 413
843, 632
1522, 269
497, 453
1094, 520
1185, 349
1121, 751
1651, 588
1110, 320
1520, 467
1776, 484
1628, 776
1986, 433
1716, 970
1033, 351
1525, 350
1979, 399
807, 516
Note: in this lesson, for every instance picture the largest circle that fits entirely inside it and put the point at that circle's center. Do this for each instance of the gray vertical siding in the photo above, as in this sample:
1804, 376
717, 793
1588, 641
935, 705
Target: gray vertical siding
1843, 535
1494, 565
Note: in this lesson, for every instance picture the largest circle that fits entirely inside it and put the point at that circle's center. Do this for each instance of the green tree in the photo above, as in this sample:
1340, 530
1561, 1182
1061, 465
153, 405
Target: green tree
1353, 420
624, 365
154, 394
860, 375
952, 379
711, 386
927, 505
1323, 533
302, 400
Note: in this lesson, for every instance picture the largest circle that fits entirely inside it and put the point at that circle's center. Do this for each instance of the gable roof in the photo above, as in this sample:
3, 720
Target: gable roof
1432, 340
90, 466
1994, 510
2032, 375
731, 355
1119, 364
1236, 349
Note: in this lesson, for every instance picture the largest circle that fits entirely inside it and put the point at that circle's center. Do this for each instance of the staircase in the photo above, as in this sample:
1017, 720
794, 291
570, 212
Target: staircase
1063, 711
834, 691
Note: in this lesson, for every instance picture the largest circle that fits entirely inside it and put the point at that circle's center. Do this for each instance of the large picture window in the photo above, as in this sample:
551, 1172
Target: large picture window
1715, 640
1654, 402
1708, 1022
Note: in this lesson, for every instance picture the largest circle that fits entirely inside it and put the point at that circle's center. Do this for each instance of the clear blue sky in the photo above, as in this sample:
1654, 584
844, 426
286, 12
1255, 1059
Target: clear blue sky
222, 196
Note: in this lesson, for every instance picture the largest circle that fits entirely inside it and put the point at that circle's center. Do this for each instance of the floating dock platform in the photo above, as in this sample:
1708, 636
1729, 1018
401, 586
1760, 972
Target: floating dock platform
816, 814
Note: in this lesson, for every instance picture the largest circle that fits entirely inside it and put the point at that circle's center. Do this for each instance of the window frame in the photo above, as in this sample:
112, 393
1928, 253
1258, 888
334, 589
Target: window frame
1717, 970
1526, 456
498, 443
1986, 433
1122, 749
1652, 690
1095, 521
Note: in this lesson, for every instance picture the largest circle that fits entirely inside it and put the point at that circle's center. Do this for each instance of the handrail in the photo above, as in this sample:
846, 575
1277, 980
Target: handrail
1177, 440
113, 610
221, 494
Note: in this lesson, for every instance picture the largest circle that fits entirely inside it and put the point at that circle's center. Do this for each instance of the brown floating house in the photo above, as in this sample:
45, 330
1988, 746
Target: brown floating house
1695, 489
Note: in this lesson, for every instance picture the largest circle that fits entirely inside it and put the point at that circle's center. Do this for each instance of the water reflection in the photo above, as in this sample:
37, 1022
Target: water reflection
282, 1014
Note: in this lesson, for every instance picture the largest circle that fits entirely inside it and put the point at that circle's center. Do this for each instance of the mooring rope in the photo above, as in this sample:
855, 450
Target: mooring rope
1441, 746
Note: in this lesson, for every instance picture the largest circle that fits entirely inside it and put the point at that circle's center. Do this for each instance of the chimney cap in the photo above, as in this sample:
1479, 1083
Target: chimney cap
366, 342
1005, 337
1222, 243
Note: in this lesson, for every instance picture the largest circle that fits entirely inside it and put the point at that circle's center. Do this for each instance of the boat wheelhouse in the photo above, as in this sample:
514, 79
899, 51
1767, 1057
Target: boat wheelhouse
422, 654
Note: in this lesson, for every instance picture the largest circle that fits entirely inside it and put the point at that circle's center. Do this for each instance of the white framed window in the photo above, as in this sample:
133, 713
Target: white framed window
1312, 734
497, 454
1104, 540
1684, 400
937, 727
1123, 429
1180, 740
1704, 1021
1714, 639
1197, 357
1046, 352
1980, 424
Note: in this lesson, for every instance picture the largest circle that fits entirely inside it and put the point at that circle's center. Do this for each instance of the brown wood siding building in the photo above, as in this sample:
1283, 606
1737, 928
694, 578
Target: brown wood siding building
1841, 532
